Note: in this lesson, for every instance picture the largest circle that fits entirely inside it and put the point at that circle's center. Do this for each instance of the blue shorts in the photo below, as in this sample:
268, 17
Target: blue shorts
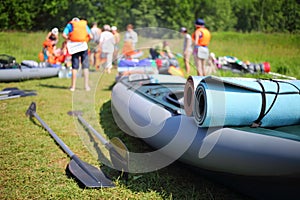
84, 56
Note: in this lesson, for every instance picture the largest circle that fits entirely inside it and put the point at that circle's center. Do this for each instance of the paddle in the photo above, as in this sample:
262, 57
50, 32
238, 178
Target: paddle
8, 90
88, 175
117, 150
10, 94
281, 75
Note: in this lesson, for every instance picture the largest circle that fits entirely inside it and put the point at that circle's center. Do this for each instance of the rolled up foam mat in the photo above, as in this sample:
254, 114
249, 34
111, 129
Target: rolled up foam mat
243, 102
189, 93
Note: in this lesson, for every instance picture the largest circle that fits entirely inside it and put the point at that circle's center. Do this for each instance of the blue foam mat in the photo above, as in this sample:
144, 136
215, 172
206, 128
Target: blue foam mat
239, 102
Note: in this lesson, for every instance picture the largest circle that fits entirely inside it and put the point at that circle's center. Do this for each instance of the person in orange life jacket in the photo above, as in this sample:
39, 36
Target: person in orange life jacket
52, 36
49, 47
78, 31
47, 53
201, 38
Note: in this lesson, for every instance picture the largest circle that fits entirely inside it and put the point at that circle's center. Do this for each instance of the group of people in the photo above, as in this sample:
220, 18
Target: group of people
85, 46
104, 47
196, 45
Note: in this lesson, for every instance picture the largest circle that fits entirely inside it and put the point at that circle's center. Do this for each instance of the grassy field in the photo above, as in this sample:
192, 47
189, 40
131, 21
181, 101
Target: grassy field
32, 166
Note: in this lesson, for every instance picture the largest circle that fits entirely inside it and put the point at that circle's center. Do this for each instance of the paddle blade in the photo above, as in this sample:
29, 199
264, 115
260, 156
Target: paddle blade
31, 109
10, 89
86, 174
21, 93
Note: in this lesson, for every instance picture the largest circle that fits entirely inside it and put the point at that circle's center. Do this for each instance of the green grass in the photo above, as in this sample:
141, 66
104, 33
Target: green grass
32, 166
280, 50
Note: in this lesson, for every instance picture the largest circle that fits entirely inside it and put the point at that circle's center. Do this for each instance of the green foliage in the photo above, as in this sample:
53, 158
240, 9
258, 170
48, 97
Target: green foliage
143, 14
245, 13
17, 15
4, 15
220, 15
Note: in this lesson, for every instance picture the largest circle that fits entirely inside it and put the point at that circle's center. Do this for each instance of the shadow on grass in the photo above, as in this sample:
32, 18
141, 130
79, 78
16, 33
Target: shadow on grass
35, 123
54, 86
101, 157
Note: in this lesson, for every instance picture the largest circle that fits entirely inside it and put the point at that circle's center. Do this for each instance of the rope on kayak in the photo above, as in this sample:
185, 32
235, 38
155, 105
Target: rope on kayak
262, 114
263, 111
295, 86
257, 122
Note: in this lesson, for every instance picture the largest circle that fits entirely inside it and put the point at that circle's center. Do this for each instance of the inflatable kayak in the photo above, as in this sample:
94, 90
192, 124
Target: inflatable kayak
28, 70
151, 107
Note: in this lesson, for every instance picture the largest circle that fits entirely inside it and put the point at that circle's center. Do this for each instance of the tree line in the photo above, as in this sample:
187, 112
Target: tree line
219, 15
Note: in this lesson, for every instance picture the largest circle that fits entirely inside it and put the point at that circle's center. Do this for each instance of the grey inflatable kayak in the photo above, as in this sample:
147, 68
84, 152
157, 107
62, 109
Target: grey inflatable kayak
152, 108
28, 71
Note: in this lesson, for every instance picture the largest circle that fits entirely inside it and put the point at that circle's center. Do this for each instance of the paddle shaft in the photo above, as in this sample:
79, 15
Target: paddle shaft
14, 94
4, 92
281, 75
9, 97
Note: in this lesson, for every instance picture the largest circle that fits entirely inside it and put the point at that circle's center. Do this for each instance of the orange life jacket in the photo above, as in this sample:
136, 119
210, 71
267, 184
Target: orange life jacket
204, 38
47, 52
79, 33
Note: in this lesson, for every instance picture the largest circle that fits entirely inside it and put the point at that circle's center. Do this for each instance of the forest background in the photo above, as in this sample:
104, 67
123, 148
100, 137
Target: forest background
220, 15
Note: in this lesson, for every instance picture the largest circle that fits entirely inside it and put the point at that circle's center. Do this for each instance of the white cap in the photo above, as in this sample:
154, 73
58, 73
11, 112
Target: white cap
113, 28
54, 31
106, 27
75, 19
183, 29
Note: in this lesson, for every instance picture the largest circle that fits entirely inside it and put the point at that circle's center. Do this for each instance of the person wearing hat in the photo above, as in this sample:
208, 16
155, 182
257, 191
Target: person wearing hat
187, 48
52, 37
77, 34
117, 41
49, 47
201, 38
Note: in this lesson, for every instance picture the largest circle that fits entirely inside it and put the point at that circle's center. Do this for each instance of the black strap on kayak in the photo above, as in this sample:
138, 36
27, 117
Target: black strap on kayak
297, 88
263, 111
257, 122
